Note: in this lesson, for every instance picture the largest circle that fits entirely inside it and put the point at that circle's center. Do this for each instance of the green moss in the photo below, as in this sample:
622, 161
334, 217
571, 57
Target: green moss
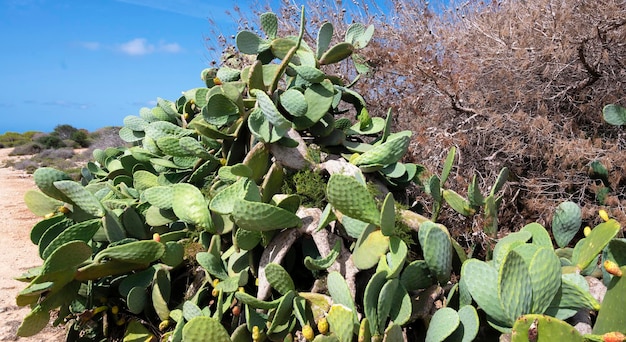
310, 186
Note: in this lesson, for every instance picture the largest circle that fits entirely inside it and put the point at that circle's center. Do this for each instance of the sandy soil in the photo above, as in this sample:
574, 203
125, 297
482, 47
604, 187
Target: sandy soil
17, 252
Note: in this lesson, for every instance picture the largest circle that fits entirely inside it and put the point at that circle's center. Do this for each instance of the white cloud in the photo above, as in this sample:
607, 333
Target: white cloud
137, 47
170, 47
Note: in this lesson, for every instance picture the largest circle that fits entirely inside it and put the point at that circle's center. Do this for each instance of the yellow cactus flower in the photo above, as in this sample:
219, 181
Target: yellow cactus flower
603, 215
612, 268
587, 231
308, 333
256, 334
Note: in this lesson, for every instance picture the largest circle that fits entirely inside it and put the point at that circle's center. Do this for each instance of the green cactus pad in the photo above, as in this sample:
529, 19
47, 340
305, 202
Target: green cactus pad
443, 323
325, 262
470, 322
611, 315
278, 278
458, 203
544, 328
396, 256
82, 231
574, 294
370, 246
593, 244
507, 244
437, 249
540, 235
319, 98
370, 300
340, 321
80, 197
138, 252
400, 312
40, 204
350, 197
190, 206
257, 216
514, 287
566, 222
212, 264
202, 328
388, 216
324, 37
545, 277
384, 154
614, 114
283, 316
481, 281
256, 303
45, 177
416, 275
337, 53
340, 292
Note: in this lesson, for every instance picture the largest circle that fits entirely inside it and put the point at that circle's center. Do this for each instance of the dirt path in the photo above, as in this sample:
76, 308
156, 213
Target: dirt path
17, 252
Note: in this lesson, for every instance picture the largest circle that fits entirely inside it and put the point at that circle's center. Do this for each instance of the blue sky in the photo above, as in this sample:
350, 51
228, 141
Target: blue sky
91, 63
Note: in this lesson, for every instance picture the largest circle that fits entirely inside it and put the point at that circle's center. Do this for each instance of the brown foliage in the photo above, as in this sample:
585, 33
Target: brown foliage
519, 84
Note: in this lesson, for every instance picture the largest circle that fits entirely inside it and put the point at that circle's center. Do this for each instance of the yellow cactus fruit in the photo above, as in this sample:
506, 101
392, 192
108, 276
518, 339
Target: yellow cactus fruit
48, 215
308, 333
612, 268
156, 237
614, 336
603, 215
322, 326
115, 310
587, 231
215, 292
241, 289
217, 81
64, 209
256, 334
164, 324
215, 282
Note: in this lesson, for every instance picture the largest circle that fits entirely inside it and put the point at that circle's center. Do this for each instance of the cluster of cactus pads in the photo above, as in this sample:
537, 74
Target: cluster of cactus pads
188, 234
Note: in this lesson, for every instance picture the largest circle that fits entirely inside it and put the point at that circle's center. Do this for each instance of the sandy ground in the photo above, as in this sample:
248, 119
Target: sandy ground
17, 252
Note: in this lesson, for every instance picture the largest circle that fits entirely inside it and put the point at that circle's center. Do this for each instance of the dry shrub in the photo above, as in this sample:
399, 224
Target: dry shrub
519, 84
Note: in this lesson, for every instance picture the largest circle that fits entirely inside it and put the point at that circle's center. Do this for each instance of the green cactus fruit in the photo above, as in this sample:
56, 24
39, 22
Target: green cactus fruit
82, 231
481, 281
190, 206
566, 223
336, 53
325, 262
443, 324
257, 216
370, 246
278, 278
340, 320
458, 203
340, 293
138, 252
319, 98
416, 275
40, 204
541, 328
514, 287
350, 197
80, 197
324, 37
437, 249
205, 329
611, 315
614, 114
594, 243
384, 154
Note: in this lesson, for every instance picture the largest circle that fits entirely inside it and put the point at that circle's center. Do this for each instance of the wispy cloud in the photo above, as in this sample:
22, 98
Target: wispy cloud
151, 103
134, 47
